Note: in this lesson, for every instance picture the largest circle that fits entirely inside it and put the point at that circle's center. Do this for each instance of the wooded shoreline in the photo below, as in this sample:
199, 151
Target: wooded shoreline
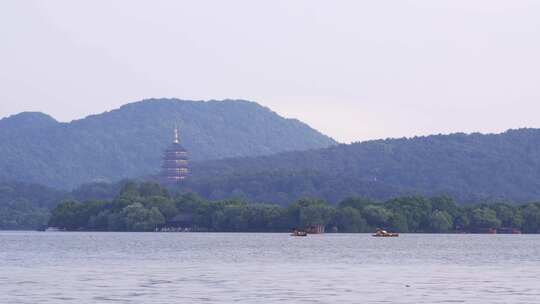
149, 207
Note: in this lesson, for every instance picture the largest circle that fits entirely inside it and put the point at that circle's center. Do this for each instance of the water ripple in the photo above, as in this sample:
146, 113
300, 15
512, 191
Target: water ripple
266, 268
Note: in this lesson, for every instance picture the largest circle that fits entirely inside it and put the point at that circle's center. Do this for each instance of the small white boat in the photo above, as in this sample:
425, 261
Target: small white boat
384, 233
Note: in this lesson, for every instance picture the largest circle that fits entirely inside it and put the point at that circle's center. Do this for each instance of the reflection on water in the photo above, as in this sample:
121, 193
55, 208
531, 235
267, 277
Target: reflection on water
42, 267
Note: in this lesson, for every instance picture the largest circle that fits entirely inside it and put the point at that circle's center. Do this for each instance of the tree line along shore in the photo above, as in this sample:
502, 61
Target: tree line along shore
149, 207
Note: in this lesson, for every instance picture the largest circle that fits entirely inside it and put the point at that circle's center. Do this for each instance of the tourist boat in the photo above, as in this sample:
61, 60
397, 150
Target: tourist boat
53, 229
297, 232
384, 233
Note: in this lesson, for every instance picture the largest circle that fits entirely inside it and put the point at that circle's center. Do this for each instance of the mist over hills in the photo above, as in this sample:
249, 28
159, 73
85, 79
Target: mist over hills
129, 141
468, 167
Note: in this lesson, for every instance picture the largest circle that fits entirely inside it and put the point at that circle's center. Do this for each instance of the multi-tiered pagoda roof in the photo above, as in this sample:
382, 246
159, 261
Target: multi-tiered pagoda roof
174, 168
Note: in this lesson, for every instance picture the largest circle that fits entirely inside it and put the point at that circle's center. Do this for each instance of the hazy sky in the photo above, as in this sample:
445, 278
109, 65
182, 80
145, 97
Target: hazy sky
355, 70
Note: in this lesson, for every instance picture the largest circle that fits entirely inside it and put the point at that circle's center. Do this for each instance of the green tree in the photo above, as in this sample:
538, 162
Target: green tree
308, 212
398, 222
166, 206
485, 217
149, 189
231, 218
138, 218
462, 221
440, 221
509, 215
350, 220
531, 218
445, 203
414, 210
130, 190
100, 221
376, 216
67, 215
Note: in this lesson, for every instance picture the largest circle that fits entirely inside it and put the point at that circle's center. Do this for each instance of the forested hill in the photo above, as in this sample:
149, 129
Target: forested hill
129, 141
467, 167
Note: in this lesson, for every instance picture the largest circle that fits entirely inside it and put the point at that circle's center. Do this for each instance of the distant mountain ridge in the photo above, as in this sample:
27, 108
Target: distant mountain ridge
129, 141
241, 149
468, 167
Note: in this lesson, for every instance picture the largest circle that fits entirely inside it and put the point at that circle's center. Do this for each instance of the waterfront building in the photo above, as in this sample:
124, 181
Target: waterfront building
174, 167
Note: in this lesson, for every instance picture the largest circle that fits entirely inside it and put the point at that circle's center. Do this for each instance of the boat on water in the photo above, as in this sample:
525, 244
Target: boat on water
297, 232
384, 233
53, 229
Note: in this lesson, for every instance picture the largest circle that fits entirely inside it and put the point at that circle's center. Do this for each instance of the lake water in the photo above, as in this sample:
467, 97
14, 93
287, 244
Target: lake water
63, 267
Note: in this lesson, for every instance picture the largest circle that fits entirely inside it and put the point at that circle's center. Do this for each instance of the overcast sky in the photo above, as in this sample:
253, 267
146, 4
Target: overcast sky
355, 70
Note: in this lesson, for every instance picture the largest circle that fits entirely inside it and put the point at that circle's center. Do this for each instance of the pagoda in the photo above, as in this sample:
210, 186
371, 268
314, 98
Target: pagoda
174, 167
